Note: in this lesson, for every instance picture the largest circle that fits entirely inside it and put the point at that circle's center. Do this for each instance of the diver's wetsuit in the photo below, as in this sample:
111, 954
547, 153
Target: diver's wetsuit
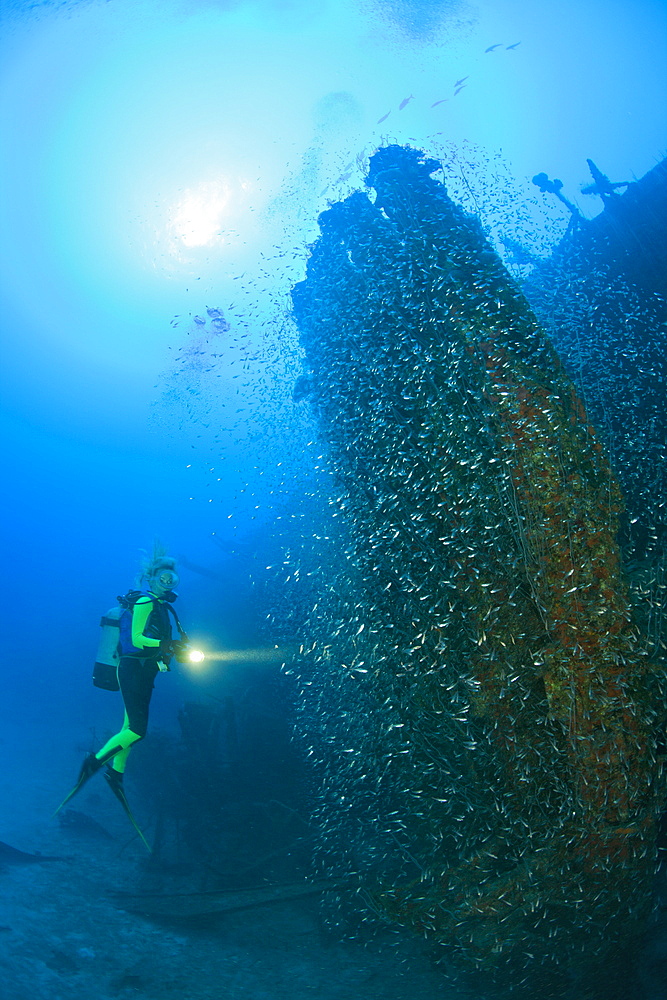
145, 648
135, 677
151, 625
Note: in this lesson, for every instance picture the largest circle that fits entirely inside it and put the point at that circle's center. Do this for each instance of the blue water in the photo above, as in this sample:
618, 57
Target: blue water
162, 168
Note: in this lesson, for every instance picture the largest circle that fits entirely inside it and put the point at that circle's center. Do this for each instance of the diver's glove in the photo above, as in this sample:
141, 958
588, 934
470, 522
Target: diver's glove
177, 648
180, 649
162, 666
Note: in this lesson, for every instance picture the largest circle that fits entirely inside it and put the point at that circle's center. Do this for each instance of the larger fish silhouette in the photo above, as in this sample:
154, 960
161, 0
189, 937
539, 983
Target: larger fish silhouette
476, 687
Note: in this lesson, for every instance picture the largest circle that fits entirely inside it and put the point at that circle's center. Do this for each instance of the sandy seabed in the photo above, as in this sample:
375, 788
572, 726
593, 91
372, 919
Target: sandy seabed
63, 939
64, 936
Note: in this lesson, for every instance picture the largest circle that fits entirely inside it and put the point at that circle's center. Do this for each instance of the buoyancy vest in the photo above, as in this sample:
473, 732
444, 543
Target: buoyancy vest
116, 636
158, 625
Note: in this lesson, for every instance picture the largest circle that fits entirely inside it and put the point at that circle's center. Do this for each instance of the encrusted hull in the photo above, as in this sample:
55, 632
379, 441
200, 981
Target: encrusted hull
483, 700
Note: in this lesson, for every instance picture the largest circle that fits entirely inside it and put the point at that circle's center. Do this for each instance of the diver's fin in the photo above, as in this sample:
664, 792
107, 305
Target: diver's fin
115, 783
90, 766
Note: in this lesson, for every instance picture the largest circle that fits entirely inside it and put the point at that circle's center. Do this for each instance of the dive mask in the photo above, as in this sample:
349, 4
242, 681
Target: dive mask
166, 581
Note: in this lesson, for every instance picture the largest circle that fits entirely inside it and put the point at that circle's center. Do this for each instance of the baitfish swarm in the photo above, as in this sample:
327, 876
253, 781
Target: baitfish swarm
476, 696
602, 300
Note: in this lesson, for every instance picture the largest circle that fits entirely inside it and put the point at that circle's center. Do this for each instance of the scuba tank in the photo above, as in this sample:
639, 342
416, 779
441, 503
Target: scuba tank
108, 655
115, 634
105, 669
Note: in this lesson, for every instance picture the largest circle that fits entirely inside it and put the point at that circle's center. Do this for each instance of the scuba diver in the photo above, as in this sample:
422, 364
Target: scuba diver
143, 647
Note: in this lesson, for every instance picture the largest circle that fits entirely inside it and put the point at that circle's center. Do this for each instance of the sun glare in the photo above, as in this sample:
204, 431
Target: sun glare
200, 214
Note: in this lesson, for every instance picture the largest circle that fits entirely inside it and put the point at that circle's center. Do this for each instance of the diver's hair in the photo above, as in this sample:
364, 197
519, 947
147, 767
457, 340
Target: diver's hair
152, 562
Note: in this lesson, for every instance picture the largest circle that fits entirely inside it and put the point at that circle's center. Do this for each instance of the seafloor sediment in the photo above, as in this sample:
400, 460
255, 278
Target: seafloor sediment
63, 936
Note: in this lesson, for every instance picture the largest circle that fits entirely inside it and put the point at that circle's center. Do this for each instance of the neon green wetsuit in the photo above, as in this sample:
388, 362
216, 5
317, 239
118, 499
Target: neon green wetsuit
136, 673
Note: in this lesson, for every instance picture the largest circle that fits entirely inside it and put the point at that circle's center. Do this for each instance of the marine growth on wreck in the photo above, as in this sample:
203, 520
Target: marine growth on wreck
475, 687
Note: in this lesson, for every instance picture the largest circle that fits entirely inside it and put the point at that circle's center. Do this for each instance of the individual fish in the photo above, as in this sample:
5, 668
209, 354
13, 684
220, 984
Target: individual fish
492, 48
383, 119
406, 100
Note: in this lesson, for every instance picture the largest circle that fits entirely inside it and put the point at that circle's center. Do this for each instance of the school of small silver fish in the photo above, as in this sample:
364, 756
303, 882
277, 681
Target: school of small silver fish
475, 692
458, 86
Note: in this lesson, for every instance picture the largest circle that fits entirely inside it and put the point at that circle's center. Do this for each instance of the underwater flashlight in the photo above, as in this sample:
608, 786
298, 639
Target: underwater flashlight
184, 653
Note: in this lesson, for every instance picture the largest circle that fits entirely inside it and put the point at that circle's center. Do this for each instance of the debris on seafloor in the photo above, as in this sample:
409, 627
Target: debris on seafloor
13, 856
192, 905
81, 823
